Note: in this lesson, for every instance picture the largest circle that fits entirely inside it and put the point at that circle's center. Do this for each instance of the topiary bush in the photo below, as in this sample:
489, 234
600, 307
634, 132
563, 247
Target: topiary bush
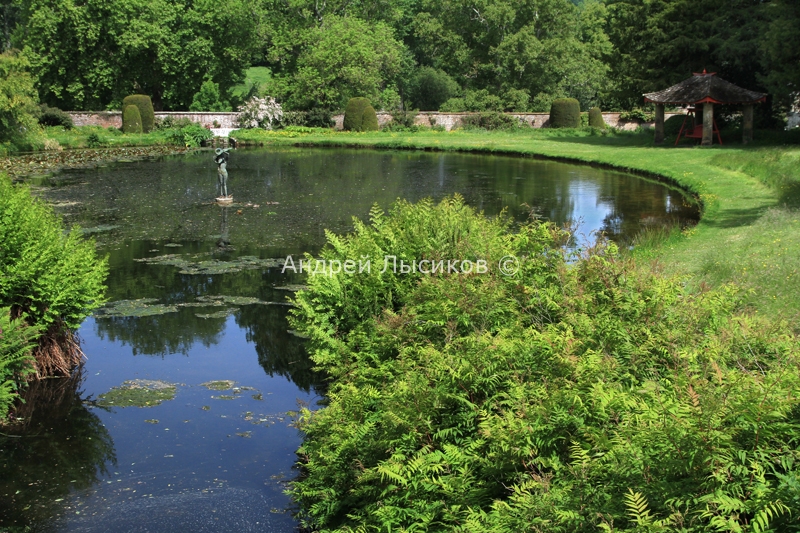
565, 113
131, 119
53, 116
145, 106
369, 120
354, 113
596, 118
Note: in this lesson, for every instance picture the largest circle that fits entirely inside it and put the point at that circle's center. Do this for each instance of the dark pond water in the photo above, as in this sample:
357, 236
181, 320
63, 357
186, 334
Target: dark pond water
214, 309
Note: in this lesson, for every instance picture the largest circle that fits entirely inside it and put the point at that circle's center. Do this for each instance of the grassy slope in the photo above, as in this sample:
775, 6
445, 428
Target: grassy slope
746, 234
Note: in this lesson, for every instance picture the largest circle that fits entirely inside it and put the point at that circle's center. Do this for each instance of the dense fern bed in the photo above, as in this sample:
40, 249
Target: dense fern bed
573, 392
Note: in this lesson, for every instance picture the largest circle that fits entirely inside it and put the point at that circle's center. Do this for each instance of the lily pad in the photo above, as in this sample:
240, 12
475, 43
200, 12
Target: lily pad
138, 393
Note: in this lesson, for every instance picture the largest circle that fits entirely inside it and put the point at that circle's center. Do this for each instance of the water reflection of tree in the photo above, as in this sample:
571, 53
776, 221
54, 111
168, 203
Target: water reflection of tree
59, 446
279, 352
164, 334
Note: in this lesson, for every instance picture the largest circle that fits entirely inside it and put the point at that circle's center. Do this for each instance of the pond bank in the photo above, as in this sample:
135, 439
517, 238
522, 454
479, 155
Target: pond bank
749, 233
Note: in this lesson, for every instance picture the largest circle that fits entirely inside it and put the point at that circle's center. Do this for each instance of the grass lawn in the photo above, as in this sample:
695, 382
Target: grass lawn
750, 230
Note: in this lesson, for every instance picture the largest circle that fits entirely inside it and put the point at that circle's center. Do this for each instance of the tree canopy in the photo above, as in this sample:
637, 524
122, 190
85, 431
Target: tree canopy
461, 54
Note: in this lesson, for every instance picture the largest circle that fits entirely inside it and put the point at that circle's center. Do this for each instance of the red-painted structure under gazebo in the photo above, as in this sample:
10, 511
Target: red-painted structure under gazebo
702, 91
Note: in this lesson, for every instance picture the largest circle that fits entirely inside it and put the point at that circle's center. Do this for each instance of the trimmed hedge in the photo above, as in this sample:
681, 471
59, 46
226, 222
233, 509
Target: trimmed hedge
145, 106
354, 114
596, 118
565, 113
369, 119
131, 119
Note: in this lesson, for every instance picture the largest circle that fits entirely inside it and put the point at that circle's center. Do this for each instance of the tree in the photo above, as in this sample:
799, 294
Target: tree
209, 99
88, 55
344, 58
17, 99
431, 88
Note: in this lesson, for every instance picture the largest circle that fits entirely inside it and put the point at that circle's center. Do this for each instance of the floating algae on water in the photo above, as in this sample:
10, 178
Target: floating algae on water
211, 266
149, 307
222, 384
218, 314
138, 393
230, 300
140, 307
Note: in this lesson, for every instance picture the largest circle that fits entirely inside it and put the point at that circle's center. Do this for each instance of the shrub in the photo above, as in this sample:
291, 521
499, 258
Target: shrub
481, 100
596, 118
637, 114
145, 107
430, 88
319, 117
489, 121
53, 116
94, 141
208, 98
565, 113
191, 135
575, 393
51, 278
131, 119
169, 122
516, 100
354, 114
313, 118
369, 120
259, 113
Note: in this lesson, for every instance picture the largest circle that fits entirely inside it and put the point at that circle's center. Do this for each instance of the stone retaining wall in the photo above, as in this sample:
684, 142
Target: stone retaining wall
448, 120
114, 118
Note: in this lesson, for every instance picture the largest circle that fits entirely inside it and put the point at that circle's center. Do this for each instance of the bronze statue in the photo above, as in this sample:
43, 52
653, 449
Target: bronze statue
221, 160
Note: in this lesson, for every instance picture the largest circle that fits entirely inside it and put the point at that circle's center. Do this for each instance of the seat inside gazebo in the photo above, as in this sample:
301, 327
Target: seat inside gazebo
702, 91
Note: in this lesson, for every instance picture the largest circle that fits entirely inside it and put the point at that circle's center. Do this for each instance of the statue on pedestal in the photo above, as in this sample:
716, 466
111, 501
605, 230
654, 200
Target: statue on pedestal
221, 159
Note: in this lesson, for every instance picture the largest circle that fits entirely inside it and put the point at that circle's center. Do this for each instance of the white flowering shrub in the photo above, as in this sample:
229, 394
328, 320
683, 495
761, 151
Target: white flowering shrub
259, 113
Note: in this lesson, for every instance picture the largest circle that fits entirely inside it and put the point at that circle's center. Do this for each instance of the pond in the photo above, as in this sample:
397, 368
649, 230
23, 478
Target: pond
181, 419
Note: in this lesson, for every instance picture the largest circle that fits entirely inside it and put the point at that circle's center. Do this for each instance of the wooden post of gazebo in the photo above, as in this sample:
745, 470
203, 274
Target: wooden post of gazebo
704, 90
708, 124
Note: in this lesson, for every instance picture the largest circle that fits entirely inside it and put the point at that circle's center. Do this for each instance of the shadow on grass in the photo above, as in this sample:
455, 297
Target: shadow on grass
734, 218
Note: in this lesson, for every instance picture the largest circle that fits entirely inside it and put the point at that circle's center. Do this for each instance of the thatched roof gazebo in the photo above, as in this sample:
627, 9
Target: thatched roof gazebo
706, 89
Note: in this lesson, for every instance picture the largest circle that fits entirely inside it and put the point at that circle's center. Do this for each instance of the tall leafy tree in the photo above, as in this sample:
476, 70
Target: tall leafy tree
344, 58
89, 55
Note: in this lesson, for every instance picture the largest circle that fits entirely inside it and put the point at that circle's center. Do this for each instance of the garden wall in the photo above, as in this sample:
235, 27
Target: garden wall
448, 120
114, 118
